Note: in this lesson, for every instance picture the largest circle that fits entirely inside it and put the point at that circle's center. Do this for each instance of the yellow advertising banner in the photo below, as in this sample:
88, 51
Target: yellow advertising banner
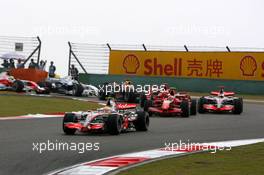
214, 65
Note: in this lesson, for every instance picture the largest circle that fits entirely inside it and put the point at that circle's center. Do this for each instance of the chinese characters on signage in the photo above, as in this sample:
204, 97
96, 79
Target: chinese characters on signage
212, 68
212, 65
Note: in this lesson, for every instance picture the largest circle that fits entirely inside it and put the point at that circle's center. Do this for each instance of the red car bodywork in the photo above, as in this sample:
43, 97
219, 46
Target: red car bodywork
168, 102
165, 104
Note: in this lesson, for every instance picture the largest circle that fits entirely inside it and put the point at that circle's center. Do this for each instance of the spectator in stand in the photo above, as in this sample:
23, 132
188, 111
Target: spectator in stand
11, 64
42, 65
20, 64
74, 73
32, 64
52, 70
5, 64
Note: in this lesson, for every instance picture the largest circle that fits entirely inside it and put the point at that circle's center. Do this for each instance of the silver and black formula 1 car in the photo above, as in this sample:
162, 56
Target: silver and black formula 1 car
69, 86
113, 119
221, 101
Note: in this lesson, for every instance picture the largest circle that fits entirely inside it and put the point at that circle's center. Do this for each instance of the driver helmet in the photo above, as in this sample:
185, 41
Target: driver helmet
221, 92
11, 78
106, 109
172, 91
110, 102
165, 86
127, 82
221, 95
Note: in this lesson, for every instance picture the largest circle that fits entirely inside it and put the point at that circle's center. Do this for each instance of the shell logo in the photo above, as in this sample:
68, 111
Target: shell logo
248, 66
131, 64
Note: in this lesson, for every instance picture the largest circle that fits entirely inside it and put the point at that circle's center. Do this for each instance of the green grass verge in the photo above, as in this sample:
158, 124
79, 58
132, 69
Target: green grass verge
21, 105
245, 160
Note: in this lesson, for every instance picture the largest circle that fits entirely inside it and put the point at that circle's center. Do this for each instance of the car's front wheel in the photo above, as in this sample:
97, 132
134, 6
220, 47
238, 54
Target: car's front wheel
77, 90
142, 122
193, 107
69, 118
238, 106
114, 124
201, 103
18, 86
185, 108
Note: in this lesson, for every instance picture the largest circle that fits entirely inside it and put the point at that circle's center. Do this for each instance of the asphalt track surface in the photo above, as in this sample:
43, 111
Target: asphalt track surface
17, 137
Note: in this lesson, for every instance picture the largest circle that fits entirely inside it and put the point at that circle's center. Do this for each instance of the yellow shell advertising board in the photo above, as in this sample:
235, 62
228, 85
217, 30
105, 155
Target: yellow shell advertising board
211, 65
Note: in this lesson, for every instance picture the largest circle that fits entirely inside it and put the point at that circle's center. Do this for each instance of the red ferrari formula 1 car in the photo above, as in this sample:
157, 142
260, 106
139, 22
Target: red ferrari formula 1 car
221, 101
10, 83
170, 103
113, 119
150, 94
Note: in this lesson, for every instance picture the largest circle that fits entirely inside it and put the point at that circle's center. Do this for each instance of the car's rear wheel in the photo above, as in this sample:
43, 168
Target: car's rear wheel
185, 108
77, 90
18, 86
69, 118
201, 102
142, 122
114, 124
238, 106
193, 107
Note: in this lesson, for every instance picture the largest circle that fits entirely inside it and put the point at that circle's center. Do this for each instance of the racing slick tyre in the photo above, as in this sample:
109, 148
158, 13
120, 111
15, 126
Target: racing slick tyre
69, 117
238, 106
193, 107
201, 102
18, 86
77, 90
185, 108
142, 122
114, 124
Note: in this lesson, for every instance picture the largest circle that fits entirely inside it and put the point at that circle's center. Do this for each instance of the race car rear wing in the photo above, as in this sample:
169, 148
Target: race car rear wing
216, 93
124, 106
